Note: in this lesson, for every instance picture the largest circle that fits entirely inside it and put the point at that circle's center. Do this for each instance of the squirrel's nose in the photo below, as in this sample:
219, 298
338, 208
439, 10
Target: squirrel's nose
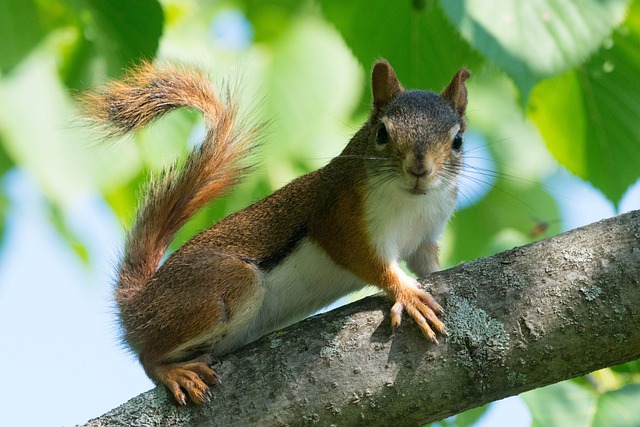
420, 168
420, 171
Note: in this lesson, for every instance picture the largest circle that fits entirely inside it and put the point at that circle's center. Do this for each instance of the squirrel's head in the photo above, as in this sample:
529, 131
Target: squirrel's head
416, 135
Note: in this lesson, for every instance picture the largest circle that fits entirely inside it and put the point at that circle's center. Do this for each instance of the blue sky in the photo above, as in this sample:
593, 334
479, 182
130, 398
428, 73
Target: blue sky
61, 354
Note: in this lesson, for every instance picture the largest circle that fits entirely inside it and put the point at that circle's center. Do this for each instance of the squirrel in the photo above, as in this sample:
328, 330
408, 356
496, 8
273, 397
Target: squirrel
384, 199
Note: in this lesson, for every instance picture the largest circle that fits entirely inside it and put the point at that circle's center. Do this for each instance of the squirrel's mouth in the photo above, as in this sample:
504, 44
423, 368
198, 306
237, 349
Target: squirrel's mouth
419, 188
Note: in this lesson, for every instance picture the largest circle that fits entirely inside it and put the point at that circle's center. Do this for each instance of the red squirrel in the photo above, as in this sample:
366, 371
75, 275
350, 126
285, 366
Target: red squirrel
384, 199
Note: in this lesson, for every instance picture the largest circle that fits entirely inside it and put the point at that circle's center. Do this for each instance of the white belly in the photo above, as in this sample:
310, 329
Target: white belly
306, 281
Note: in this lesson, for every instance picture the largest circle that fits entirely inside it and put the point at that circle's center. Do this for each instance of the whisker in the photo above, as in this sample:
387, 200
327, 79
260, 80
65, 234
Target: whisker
486, 144
512, 179
462, 192
491, 185
360, 157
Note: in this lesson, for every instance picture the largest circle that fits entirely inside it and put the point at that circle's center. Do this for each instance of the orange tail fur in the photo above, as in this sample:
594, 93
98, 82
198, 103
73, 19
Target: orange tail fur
178, 192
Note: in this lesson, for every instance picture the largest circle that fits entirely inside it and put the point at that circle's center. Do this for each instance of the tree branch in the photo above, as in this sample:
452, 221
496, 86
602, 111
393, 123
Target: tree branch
518, 320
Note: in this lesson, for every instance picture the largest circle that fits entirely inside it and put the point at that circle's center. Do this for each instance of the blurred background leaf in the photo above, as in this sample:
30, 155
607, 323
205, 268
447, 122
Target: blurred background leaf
125, 31
5, 165
572, 405
465, 419
563, 404
618, 408
536, 39
21, 30
588, 116
102, 38
414, 36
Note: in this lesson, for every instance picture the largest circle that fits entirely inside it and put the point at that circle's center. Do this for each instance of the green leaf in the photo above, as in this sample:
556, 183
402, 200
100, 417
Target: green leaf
43, 149
568, 404
464, 419
628, 368
76, 68
6, 163
618, 408
469, 418
589, 116
504, 218
4, 209
415, 37
311, 80
563, 404
271, 18
20, 31
60, 223
62, 156
125, 32
532, 40
124, 199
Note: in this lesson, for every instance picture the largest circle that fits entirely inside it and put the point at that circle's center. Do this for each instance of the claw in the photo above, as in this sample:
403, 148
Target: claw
396, 315
195, 377
442, 329
423, 309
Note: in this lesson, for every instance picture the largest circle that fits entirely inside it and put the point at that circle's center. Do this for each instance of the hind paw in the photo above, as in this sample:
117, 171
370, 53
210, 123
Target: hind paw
193, 377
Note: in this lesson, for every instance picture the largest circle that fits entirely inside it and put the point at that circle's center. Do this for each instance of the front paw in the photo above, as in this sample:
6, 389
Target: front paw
422, 307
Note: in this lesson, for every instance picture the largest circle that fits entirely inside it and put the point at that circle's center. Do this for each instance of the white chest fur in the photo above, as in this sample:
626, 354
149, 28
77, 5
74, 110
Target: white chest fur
398, 222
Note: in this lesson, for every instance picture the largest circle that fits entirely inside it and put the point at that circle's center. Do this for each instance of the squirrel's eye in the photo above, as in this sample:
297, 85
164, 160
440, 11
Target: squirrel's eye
382, 136
457, 142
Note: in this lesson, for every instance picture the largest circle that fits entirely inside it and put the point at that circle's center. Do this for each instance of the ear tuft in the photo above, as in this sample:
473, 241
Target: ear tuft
384, 84
456, 92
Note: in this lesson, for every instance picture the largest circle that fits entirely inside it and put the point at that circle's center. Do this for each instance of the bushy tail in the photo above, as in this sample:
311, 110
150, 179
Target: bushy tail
174, 196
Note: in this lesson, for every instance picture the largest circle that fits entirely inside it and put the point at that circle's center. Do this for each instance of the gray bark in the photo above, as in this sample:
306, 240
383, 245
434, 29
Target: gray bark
521, 319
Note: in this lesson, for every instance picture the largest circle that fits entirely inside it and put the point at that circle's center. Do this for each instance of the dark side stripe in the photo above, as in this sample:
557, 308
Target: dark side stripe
283, 251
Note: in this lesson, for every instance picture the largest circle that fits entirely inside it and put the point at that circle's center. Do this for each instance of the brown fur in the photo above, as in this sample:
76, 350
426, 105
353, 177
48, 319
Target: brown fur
204, 300
172, 198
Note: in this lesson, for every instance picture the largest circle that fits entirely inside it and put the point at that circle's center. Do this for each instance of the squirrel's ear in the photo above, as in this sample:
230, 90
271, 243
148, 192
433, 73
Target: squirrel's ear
384, 84
456, 92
